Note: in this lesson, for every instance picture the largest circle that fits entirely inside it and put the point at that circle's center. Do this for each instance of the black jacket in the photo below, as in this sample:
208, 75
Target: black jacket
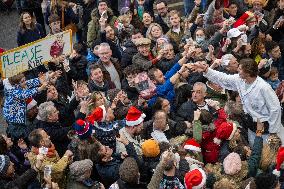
66, 110
131, 92
78, 66
86, 17
160, 21
128, 53
165, 65
109, 171
107, 86
21, 182
29, 36
58, 135
124, 185
115, 48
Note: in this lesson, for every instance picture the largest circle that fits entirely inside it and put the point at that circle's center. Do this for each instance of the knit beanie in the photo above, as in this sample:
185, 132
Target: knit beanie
150, 148
129, 171
4, 164
79, 168
232, 164
83, 129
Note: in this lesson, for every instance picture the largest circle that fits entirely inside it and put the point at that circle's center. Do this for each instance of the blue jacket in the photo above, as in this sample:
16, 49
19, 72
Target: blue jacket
166, 90
15, 103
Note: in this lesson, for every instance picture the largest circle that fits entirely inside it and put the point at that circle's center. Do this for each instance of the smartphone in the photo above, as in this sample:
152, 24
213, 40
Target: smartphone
47, 171
43, 150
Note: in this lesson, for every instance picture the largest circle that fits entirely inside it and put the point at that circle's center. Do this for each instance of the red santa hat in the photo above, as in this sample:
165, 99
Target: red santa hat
195, 179
225, 131
279, 161
191, 144
243, 19
31, 103
134, 117
99, 114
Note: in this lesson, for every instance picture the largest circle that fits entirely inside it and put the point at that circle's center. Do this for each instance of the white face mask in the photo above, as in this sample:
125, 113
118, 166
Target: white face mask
200, 40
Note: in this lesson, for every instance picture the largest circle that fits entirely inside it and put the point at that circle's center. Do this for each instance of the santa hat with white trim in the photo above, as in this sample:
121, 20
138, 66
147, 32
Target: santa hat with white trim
279, 161
192, 145
30, 103
225, 131
98, 114
195, 179
134, 117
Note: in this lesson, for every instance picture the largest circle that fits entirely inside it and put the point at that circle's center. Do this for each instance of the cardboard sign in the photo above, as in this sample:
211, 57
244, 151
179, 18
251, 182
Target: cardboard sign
34, 54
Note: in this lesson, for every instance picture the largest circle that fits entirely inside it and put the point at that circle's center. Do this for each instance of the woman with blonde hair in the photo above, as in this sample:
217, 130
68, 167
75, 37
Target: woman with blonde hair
154, 32
29, 30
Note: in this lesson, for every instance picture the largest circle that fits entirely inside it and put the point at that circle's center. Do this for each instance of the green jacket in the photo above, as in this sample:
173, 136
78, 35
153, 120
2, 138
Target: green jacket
94, 26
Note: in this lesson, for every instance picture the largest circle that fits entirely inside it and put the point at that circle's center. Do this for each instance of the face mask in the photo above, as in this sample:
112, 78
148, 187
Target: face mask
200, 40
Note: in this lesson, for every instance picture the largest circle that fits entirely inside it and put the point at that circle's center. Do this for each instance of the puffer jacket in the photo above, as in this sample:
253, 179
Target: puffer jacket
15, 103
94, 26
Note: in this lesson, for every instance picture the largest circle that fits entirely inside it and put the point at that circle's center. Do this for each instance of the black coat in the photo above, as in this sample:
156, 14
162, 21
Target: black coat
86, 17
29, 36
131, 92
21, 182
58, 135
160, 21
66, 110
115, 48
165, 65
186, 111
109, 171
107, 86
124, 185
128, 53
78, 66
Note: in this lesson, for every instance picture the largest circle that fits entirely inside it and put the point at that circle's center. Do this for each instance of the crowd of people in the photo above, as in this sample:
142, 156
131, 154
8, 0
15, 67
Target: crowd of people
149, 97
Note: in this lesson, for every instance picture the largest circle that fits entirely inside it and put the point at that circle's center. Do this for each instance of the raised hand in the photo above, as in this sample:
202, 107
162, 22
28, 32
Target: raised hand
199, 66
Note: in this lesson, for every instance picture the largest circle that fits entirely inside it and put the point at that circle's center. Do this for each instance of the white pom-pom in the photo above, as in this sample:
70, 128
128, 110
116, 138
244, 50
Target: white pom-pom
217, 141
275, 172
